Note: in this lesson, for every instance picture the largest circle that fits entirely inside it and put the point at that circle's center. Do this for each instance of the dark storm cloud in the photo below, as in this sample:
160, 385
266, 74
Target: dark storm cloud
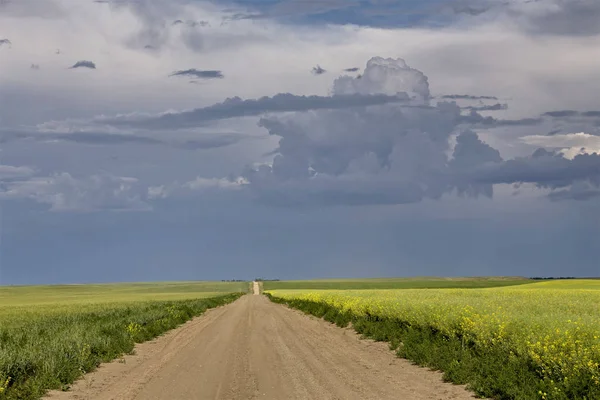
83, 64
98, 138
479, 121
561, 113
237, 107
201, 142
543, 168
211, 142
493, 107
571, 113
202, 74
318, 70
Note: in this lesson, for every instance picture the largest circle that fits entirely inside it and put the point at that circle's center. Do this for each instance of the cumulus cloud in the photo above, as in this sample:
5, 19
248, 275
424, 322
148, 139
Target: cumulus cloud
84, 64
237, 107
385, 76
9, 172
569, 145
63, 192
318, 70
198, 185
394, 154
193, 72
377, 155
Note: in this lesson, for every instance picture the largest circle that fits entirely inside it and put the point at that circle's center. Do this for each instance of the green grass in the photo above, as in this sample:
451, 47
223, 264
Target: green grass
51, 335
116, 292
397, 283
532, 341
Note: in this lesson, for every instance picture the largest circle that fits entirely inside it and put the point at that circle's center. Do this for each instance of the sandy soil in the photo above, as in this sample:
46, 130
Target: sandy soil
255, 349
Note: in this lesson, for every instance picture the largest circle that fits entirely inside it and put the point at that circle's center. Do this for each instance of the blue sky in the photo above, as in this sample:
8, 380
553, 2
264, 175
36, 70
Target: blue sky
395, 14
155, 140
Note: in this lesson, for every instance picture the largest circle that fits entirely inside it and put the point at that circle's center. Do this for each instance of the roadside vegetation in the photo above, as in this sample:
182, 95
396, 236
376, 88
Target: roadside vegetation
51, 335
535, 341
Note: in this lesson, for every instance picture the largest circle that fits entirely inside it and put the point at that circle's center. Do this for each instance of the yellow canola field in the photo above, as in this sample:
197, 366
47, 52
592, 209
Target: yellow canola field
556, 324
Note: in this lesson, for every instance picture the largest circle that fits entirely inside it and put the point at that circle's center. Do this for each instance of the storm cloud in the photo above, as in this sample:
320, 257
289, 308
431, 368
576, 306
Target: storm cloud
491, 107
237, 107
202, 74
318, 70
394, 154
84, 64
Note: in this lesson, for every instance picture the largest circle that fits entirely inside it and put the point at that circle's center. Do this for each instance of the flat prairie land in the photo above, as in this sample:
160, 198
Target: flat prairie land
500, 338
51, 335
398, 283
538, 340
114, 292
256, 349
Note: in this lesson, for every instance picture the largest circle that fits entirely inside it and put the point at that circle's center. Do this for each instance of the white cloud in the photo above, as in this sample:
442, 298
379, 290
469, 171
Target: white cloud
570, 145
63, 192
12, 172
221, 183
198, 186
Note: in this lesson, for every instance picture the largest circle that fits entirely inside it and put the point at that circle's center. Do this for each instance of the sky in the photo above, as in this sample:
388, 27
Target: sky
145, 140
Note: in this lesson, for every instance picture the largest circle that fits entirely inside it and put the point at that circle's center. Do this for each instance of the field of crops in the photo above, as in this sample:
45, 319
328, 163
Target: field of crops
51, 335
532, 341
397, 283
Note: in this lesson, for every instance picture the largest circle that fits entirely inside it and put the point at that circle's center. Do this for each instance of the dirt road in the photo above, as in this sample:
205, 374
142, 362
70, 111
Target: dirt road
255, 349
